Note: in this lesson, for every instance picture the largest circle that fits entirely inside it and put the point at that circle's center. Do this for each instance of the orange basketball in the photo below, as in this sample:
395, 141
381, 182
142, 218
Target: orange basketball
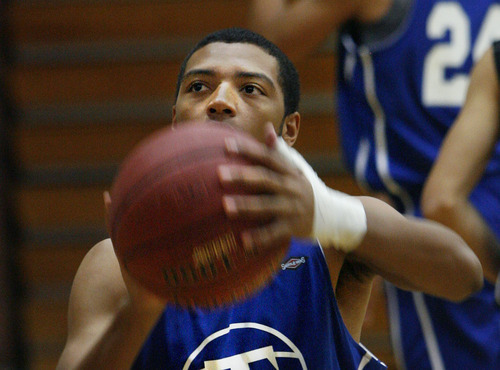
168, 225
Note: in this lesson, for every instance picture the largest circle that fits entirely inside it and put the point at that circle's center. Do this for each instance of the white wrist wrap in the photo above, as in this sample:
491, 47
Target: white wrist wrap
339, 219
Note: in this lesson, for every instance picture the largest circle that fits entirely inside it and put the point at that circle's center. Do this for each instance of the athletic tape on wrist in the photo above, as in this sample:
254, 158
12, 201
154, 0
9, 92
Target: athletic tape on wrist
339, 219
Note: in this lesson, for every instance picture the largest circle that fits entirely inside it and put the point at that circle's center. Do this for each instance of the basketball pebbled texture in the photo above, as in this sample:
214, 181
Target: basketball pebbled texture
168, 225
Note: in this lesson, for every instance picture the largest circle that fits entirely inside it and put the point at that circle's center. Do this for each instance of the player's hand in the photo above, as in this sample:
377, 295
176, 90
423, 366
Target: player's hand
280, 193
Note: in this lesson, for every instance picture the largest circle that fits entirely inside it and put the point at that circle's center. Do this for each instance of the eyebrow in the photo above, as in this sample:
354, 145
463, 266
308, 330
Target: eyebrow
209, 72
256, 75
197, 72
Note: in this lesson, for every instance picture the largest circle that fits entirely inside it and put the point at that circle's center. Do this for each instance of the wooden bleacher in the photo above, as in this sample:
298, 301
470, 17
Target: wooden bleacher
91, 78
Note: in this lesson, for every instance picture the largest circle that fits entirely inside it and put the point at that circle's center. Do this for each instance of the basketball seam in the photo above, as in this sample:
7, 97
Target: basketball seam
158, 172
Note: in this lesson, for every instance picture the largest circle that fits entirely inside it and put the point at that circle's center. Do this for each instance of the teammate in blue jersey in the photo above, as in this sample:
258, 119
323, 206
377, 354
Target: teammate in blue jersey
238, 77
462, 162
403, 70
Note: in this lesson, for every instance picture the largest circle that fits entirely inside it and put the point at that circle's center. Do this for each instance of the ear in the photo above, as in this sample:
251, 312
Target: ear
290, 128
107, 206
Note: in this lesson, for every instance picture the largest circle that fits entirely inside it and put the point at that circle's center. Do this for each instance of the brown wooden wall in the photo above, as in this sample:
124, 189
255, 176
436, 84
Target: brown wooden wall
91, 78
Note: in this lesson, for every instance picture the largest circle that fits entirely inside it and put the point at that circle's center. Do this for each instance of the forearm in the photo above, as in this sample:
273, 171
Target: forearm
418, 254
464, 155
470, 225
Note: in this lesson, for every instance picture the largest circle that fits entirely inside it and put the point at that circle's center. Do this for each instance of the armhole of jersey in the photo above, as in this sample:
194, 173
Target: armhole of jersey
389, 29
321, 248
496, 56
368, 357
326, 266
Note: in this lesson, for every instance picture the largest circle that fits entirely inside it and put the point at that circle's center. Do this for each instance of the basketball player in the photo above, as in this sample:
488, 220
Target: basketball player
465, 156
402, 76
240, 78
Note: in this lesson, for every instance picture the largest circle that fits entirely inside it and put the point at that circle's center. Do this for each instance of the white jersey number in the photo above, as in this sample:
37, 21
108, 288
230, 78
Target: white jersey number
438, 89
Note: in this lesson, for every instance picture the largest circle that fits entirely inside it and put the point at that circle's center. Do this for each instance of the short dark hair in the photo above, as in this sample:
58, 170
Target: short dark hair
288, 77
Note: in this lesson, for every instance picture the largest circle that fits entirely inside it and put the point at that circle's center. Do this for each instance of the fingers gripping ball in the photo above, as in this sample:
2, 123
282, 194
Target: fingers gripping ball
168, 225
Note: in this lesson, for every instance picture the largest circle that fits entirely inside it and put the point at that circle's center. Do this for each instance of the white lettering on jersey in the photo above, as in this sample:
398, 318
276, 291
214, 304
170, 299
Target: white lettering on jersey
243, 360
448, 17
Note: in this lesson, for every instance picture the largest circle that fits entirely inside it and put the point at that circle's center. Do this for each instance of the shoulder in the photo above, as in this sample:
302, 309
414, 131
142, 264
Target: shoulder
100, 258
99, 276
102, 251
97, 292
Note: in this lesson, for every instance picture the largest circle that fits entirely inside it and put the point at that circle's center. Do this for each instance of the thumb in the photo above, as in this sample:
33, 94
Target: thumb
270, 136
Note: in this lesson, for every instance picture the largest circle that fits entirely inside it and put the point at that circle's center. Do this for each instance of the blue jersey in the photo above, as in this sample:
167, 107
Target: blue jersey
293, 323
396, 98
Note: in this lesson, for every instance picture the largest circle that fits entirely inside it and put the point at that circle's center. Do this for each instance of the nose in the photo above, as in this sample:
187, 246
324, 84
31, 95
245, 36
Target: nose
222, 103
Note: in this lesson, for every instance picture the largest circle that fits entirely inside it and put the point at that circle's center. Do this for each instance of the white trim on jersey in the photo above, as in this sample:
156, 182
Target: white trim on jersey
395, 327
364, 361
368, 356
362, 163
431, 343
379, 126
364, 145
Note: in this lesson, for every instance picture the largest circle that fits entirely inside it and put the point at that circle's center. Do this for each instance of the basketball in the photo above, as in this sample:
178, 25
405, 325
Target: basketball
168, 225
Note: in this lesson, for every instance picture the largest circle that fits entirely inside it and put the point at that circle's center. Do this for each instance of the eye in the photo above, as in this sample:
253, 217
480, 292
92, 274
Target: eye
252, 90
196, 87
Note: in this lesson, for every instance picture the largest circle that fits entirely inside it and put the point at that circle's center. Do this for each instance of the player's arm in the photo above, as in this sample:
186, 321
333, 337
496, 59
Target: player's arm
299, 27
106, 328
414, 254
417, 254
463, 157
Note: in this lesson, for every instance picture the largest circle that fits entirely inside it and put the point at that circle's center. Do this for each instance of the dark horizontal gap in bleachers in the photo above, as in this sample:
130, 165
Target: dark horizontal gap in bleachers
49, 292
83, 2
325, 164
104, 51
50, 237
147, 109
123, 50
97, 112
69, 175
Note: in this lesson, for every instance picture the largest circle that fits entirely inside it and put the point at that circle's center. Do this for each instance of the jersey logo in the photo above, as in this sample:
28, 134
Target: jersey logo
243, 361
293, 263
